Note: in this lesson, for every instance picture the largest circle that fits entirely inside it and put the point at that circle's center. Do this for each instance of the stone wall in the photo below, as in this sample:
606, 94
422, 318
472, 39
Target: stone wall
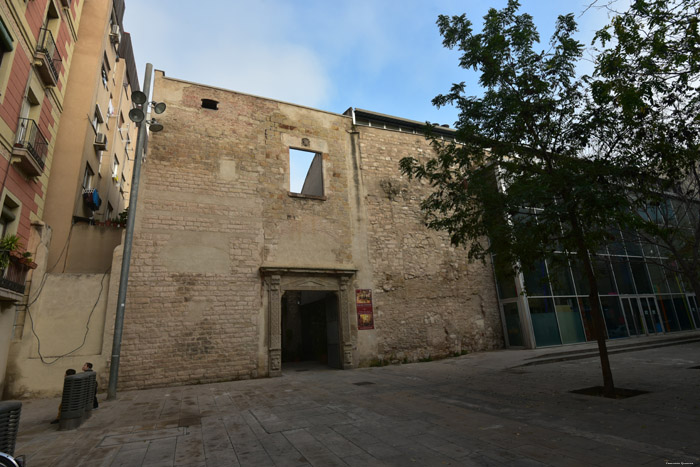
213, 208
429, 300
215, 212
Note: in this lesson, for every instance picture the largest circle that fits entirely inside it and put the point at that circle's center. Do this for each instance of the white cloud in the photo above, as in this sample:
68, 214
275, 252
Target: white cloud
248, 47
286, 72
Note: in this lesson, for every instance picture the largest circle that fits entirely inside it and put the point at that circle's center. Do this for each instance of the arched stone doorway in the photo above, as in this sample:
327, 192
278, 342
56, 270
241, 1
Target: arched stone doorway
280, 280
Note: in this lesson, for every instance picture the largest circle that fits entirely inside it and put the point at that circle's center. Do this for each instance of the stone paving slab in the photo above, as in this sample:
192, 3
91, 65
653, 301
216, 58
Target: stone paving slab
472, 410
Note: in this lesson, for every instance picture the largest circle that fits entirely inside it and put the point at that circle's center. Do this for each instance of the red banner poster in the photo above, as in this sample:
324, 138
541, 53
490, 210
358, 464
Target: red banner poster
365, 314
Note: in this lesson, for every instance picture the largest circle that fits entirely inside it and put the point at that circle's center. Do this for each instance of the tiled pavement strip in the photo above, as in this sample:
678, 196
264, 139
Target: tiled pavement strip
476, 410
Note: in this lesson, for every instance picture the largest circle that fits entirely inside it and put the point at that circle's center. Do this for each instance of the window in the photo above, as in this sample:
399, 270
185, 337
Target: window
115, 169
97, 119
121, 125
9, 218
109, 211
7, 51
105, 79
6, 44
305, 172
87, 177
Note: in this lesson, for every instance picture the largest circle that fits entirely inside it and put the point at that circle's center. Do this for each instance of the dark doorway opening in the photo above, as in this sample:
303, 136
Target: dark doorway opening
310, 327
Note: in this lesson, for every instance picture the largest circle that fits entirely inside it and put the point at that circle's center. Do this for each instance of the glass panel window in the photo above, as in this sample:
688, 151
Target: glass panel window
668, 314
616, 247
560, 276
536, 283
658, 278
632, 243
631, 309
515, 336
641, 276
586, 318
683, 313
692, 302
614, 319
649, 249
544, 321
674, 280
506, 286
580, 279
569, 318
623, 275
604, 277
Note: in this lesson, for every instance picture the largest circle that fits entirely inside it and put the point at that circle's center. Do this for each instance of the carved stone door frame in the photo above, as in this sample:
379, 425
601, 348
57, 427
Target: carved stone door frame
278, 280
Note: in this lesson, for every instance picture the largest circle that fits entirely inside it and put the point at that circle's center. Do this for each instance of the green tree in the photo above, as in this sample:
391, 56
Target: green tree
646, 79
528, 171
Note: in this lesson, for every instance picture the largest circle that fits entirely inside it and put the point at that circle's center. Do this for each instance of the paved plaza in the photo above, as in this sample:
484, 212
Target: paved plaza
508, 407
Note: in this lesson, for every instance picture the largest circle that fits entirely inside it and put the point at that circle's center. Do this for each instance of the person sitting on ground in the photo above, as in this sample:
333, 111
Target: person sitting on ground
69, 372
88, 367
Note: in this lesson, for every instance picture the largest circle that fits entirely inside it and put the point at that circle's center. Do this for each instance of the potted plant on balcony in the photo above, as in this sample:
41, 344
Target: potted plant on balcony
8, 245
11, 247
27, 260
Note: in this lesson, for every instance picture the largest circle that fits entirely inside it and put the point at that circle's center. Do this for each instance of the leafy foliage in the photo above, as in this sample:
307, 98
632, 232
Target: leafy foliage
8, 244
530, 133
647, 80
535, 168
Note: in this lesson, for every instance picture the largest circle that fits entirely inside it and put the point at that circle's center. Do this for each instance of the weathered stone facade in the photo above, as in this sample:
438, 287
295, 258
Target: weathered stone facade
219, 239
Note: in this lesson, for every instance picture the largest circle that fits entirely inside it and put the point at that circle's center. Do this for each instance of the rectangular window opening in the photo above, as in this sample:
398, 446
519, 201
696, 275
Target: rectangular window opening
115, 169
87, 178
305, 172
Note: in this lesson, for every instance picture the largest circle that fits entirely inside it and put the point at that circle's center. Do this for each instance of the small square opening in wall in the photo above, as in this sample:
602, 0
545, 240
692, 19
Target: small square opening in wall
305, 172
210, 104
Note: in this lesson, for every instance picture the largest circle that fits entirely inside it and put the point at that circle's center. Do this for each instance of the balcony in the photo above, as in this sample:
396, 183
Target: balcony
12, 279
30, 147
47, 59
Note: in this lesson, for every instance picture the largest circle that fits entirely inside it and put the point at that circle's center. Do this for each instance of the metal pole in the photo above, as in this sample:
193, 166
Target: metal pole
128, 239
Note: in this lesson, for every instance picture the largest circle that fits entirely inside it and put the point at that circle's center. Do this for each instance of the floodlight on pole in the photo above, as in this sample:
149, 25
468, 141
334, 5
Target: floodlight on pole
154, 126
158, 107
138, 116
139, 97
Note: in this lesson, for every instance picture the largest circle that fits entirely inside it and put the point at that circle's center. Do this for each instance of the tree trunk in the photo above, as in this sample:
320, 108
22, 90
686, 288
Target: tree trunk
596, 312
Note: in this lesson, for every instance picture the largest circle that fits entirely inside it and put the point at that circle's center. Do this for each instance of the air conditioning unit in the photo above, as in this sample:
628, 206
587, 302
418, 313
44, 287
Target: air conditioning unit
115, 35
100, 141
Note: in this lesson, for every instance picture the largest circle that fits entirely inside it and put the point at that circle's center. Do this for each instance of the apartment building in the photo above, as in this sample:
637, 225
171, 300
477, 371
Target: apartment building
37, 40
94, 146
88, 186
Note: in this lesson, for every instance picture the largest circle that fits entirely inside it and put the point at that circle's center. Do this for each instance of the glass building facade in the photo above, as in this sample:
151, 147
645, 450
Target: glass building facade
548, 304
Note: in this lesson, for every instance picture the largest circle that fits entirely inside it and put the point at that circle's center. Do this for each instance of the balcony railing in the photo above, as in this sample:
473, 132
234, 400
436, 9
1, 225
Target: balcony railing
13, 278
31, 147
49, 58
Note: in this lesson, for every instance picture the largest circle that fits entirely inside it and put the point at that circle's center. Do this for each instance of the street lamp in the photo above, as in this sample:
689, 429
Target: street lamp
138, 116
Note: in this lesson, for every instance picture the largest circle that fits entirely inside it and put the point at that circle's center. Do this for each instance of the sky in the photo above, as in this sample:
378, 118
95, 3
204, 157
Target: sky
381, 55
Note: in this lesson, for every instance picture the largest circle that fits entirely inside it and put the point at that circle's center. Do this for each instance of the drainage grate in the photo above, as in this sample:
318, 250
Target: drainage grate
363, 383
